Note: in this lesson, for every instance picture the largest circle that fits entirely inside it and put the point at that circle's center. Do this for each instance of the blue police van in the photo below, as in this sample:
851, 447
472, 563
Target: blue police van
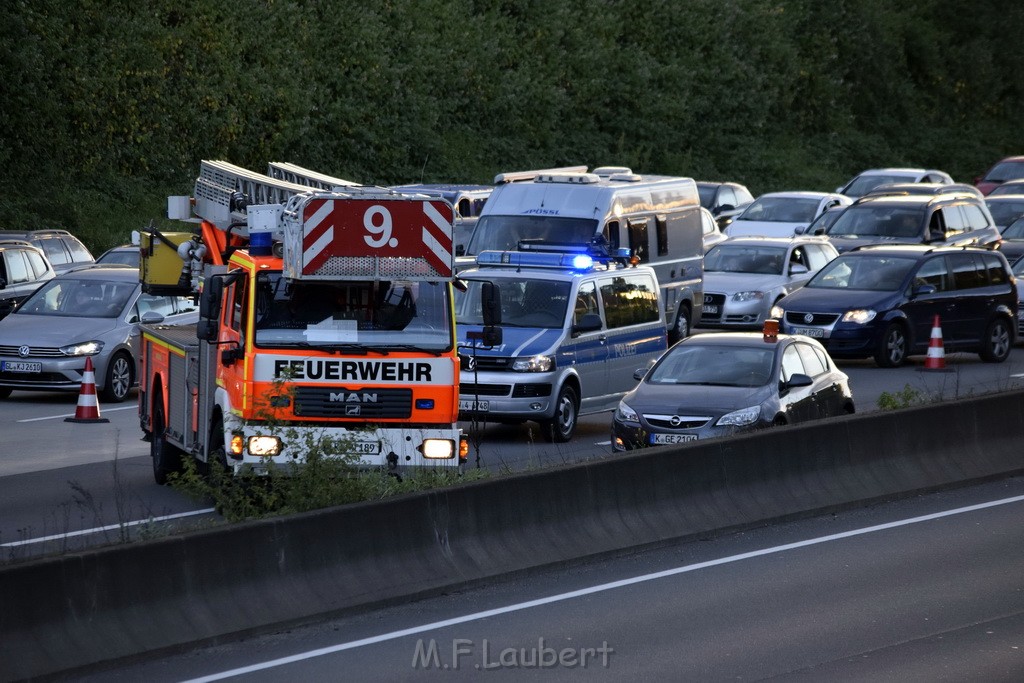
575, 326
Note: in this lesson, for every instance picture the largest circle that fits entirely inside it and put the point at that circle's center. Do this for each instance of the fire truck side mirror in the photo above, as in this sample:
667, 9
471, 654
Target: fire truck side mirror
209, 309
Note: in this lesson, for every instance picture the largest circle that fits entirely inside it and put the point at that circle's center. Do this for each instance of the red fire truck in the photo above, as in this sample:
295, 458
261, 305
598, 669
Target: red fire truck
325, 317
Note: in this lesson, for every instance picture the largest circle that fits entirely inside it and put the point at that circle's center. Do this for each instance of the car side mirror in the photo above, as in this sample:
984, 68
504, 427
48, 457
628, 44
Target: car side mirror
590, 322
799, 379
924, 289
798, 269
151, 318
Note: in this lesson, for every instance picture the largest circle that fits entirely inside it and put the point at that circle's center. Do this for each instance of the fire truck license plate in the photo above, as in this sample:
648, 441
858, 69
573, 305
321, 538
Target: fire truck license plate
480, 406
367, 447
20, 366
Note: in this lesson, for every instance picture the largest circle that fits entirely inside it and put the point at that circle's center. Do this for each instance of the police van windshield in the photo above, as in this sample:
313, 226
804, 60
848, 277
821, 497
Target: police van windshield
503, 233
524, 303
351, 313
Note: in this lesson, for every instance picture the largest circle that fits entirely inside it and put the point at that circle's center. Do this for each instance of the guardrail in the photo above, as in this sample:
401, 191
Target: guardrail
73, 611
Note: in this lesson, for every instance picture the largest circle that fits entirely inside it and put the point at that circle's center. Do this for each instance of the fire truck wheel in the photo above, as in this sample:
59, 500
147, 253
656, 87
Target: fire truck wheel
119, 379
562, 426
217, 464
166, 458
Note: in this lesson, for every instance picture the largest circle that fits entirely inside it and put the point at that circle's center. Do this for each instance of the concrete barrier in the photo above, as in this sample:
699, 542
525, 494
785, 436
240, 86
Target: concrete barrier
69, 612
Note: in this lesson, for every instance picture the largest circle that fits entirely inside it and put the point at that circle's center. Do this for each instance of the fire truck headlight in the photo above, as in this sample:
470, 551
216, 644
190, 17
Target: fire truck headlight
438, 449
264, 445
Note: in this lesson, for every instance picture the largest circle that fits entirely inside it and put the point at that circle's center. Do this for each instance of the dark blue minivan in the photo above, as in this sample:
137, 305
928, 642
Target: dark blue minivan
881, 302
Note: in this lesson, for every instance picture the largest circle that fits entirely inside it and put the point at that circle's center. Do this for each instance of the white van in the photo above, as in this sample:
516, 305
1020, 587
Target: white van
656, 217
468, 201
574, 330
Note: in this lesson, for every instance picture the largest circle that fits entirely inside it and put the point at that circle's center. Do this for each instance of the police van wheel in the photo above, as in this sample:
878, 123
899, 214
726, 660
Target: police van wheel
166, 458
681, 328
562, 426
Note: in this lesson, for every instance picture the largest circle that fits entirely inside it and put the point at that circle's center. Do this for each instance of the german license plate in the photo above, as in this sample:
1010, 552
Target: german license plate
476, 406
20, 366
366, 447
815, 332
710, 309
669, 439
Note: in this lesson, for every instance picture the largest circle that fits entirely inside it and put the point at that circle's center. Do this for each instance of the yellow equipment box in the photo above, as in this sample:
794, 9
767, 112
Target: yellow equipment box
160, 265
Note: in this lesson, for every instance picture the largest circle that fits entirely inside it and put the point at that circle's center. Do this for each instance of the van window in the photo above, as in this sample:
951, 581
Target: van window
638, 240
967, 272
630, 300
586, 302
996, 271
933, 272
661, 223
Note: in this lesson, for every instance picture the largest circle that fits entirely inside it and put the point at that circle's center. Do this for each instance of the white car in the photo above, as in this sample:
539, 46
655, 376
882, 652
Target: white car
745, 276
783, 214
864, 182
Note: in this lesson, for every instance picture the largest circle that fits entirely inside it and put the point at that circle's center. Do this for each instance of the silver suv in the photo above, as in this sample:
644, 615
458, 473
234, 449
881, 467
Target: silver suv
956, 219
64, 250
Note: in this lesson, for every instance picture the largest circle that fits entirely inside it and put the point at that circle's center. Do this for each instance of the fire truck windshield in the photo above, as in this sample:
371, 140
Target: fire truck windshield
322, 314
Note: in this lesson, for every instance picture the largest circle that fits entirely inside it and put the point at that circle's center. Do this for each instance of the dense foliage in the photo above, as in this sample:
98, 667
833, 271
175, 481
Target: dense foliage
109, 106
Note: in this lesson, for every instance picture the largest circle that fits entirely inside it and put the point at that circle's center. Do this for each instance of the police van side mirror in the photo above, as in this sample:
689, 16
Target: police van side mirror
490, 301
589, 322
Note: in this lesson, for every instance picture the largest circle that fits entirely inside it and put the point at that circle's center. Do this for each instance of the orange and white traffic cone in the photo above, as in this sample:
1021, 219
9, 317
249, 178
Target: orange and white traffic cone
88, 409
936, 359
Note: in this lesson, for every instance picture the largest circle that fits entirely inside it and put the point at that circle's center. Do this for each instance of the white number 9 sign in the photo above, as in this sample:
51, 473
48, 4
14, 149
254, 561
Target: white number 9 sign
377, 221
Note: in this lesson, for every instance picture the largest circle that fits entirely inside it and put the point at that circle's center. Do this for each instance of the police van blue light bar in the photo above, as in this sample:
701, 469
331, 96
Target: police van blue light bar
535, 259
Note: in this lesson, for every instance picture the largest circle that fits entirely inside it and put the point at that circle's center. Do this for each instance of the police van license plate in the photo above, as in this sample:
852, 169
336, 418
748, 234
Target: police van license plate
20, 366
816, 332
477, 406
668, 439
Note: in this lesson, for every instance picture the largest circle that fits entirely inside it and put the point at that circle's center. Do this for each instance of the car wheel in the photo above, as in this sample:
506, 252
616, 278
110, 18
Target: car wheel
681, 327
120, 378
561, 428
892, 349
996, 345
4, 392
166, 458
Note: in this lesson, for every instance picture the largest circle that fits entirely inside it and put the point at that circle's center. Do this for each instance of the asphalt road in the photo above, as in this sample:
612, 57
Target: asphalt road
924, 589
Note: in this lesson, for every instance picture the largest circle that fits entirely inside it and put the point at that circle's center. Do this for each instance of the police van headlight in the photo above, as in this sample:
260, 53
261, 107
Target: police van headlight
264, 445
534, 364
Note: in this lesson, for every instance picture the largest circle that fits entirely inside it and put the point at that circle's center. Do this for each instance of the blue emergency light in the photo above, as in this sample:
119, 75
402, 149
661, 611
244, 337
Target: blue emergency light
535, 260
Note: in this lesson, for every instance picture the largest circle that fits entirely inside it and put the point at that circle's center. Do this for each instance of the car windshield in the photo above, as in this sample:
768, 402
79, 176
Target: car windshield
503, 233
871, 220
1015, 187
124, 257
739, 258
782, 210
875, 272
1015, 230
714, 365
84, 298
351, 314
1005, 213
524, 303
1006, 170
865, 183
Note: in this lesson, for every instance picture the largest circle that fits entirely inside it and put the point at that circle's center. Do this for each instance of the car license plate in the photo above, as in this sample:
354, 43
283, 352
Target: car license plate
366, 447
816, 332
20, 366
668, 439
710, 309
477, 406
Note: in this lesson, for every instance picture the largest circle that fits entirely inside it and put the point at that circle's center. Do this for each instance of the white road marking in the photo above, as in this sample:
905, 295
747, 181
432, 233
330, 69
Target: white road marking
477, 616
109, 527
56, 417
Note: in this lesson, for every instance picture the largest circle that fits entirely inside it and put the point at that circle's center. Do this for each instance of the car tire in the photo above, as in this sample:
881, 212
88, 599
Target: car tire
681, 327
166, 458
217, 460
996, 344
120, 378
562, 426
892, 347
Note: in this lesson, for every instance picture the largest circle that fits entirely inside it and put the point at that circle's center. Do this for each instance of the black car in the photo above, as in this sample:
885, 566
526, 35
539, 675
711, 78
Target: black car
882, 301
1012, 245
725, 383
956, 218
724, 200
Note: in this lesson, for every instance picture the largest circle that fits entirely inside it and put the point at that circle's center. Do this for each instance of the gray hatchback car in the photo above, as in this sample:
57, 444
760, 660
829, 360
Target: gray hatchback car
93, 312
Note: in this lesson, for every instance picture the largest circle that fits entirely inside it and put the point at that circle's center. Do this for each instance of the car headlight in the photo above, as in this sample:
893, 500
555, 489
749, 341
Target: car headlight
859, 316
534, 364
626, 414
777, 312
740, 418
748, 296
89, 348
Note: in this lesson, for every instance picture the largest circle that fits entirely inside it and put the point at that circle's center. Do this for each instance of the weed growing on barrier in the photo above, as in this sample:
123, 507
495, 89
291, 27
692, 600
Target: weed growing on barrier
908, 396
